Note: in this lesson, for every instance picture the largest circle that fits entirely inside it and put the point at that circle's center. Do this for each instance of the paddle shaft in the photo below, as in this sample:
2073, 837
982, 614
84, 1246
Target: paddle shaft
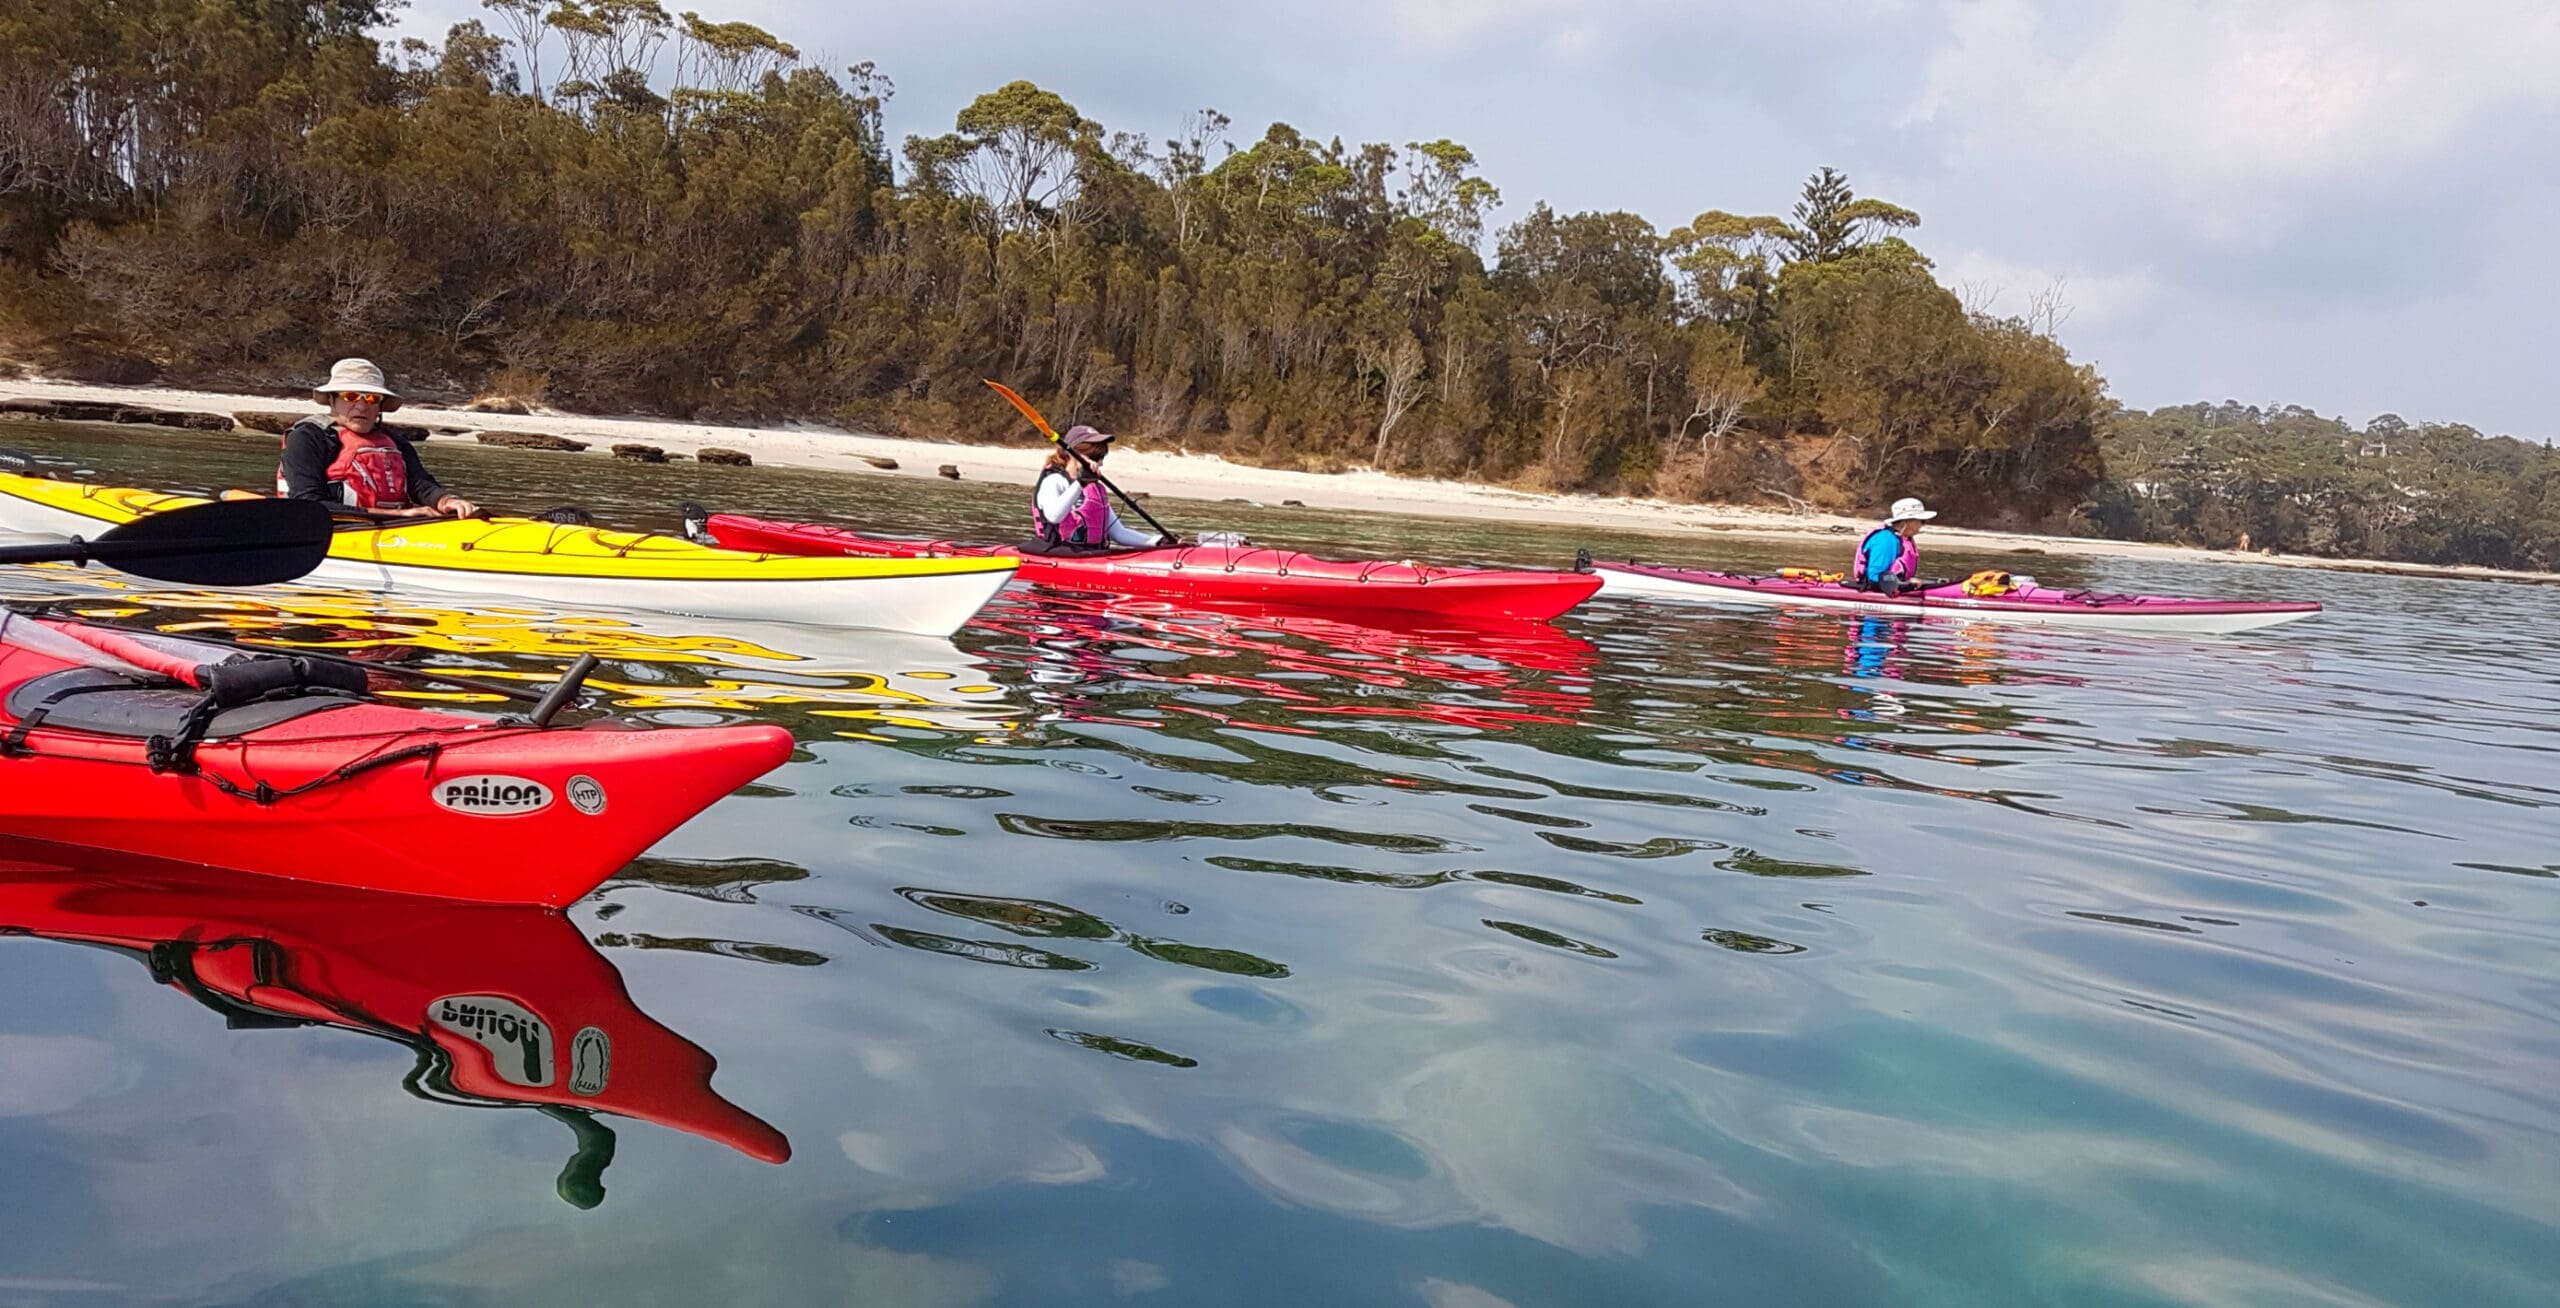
1073, 453
346, 516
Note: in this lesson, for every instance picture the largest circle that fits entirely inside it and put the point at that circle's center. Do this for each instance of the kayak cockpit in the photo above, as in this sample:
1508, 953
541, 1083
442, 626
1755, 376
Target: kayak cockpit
140, 705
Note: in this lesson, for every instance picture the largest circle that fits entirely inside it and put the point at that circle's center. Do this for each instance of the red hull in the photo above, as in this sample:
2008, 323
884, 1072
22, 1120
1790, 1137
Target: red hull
474, 810
1221, 575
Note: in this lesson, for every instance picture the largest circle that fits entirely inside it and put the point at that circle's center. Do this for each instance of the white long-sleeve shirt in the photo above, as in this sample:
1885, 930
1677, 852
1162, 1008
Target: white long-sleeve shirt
1056, 495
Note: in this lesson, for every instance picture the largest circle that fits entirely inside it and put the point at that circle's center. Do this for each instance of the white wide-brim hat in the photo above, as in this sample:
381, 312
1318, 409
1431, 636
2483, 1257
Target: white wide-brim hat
1907, 509
358, 375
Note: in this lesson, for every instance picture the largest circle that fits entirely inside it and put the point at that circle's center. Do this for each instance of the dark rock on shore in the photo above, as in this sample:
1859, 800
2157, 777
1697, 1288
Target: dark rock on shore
62, 410
951, 470
94, 411
885, 465
267, 420
713, 454
530, 440
640, 453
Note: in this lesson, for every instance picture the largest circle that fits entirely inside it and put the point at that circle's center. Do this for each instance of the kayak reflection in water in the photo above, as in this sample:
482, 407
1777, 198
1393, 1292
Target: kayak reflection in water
1070, 513
506, 1005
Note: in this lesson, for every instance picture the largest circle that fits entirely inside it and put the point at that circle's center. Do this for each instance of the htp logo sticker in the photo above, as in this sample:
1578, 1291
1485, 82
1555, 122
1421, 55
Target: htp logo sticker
492, 796
590, 1061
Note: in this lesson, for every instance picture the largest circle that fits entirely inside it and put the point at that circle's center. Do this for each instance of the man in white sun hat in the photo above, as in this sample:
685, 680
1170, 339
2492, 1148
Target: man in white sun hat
345, 458
1888, 560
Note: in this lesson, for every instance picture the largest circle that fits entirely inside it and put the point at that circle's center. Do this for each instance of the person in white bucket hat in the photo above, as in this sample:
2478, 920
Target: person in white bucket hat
346, 459
1888, 559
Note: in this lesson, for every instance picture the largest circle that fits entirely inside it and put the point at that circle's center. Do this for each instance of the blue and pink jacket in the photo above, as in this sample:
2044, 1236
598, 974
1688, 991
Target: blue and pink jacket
1864, 572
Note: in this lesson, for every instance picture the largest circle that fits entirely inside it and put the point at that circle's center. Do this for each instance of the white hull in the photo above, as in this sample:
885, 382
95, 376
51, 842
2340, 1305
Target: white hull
924, 606
1636, 585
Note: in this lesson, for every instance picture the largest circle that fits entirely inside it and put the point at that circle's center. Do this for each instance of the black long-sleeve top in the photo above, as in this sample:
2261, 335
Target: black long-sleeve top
312, 445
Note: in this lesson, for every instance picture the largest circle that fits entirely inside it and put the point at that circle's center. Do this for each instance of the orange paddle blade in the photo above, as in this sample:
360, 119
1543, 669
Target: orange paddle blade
1024, 405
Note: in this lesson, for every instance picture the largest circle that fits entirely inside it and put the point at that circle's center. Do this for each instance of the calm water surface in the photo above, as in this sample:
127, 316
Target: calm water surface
1660, 956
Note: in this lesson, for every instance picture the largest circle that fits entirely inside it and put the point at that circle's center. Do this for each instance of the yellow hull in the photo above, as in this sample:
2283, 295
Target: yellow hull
580, 565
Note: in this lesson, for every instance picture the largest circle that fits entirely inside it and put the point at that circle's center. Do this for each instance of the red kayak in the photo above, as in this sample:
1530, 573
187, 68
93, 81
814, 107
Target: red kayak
1213, 574
505, 1004
151, 745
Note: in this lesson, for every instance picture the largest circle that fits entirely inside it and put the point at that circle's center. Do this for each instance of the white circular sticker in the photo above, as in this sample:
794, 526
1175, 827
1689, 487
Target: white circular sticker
586, 794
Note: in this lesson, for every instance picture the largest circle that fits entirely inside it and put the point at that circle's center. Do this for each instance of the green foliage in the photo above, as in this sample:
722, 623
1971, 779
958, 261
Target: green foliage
2237, 476
237, 192
1832, 223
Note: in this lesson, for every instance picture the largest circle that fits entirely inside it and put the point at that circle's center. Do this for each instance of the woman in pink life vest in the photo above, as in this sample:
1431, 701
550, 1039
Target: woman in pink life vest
345, 458
1888, 558
1069, 512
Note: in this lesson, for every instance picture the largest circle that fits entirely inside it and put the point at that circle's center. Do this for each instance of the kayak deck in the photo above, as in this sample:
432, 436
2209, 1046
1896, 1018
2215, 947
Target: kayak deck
2030, 603
584, 565
1247, 575
351, 792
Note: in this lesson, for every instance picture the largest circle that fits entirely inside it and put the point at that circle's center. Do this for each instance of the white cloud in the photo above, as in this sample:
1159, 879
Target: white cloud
2234, 116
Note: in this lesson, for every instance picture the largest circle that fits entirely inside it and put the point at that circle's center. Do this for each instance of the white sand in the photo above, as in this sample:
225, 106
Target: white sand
1209, 478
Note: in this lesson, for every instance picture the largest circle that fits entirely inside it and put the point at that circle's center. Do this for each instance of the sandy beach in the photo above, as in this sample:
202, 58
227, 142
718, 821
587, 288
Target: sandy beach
1207, 478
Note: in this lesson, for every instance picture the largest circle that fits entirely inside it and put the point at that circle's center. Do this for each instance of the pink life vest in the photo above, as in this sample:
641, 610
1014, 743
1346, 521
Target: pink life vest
1087, 523
1906, 567
370, 466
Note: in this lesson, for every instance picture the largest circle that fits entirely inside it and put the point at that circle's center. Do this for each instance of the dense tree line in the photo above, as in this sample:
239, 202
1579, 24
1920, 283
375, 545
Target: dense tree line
2284, 478
598, 204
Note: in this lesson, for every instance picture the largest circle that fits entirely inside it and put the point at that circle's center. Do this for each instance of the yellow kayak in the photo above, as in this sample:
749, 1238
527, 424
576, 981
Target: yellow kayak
583, 566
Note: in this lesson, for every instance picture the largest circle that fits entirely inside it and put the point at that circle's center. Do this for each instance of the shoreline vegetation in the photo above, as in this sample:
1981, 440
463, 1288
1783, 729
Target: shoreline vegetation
1201, 479
593, 206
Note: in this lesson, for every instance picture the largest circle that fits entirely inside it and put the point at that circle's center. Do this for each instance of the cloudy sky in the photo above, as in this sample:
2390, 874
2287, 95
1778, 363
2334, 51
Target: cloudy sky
2334, 203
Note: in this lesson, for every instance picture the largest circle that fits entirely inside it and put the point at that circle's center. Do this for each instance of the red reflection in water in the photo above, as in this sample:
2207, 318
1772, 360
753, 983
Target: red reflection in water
505, 1004
1541, 674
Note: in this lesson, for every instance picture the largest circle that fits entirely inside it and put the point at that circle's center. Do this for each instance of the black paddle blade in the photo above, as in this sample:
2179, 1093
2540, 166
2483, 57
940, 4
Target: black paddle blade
225, 543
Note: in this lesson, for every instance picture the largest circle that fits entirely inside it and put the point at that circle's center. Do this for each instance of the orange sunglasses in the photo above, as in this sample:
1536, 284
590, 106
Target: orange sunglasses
360, 397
